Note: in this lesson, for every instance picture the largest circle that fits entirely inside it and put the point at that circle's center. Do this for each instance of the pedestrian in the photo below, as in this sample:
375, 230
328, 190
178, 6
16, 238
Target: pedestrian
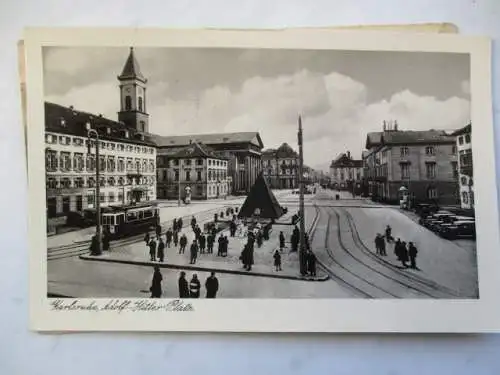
404, 254
306, 242
311, 263
194, 252
174, 225
193, 222
220, 247
259, 238
232, 228
382, 246
249, 256
152, 250
397, 249
202, 241
105, 240
179, 224
388, 234
169, 237
210, 243
182, 244
158, 230
161, 250
176, 237
282, 241
155, 288
412, 252
183, 286
212, 285
277, 260
194, 287
265, 233
377, 244
93, 246
147, 238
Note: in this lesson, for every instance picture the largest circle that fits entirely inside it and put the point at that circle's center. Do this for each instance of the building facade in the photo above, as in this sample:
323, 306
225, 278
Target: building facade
127, 156
465, 168
195, 168
345, 171
422, 162
242, 151
280, 167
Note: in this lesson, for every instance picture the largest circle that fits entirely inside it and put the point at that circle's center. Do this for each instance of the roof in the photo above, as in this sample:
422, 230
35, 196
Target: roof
131, 69
407, 137
461, 131
282, 152
209, 139
195, 150
344, 161
261, 198
67, 120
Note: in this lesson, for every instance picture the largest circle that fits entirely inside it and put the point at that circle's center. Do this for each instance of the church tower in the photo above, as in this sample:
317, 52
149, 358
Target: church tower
133, 96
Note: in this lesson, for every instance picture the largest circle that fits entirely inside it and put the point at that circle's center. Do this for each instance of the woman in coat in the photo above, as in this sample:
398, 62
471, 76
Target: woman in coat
156, 283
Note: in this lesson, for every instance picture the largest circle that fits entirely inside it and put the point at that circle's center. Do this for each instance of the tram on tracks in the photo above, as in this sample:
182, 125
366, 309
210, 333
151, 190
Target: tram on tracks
129, 220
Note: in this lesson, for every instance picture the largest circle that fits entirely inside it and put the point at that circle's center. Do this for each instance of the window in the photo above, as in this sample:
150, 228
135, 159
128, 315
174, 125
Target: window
111, 164
51, 160
121, 181
128, 103
65, 183
111, 181
91, 182
199, 161
102, 164
140, 107
454, 167
210, 175
65, 161
432, 193
120, 196
461, 140
90, 199
187, 162
176, 175
467, 138
429, 150
111, 197
453, 150
51, 183
77, 142
405, 170
198, 177
430, 170
404, 151
102, 181
463, 180
121, 165
78, 162
102, 198
465, 197
176, 162
164, 174
188, 176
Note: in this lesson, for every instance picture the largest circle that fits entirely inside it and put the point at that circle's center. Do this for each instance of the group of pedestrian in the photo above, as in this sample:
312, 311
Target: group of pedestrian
187, 289
295, 240
403, 251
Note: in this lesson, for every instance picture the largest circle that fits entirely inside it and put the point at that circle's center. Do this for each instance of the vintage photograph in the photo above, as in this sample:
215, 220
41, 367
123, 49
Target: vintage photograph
258, 173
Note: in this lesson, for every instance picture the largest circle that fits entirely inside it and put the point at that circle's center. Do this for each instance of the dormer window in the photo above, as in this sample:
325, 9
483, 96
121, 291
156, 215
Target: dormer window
63, 122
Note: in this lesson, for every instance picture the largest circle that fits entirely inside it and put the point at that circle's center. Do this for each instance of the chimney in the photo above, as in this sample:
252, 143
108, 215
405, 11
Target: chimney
100, 114
395, 125
348, 154
385, 126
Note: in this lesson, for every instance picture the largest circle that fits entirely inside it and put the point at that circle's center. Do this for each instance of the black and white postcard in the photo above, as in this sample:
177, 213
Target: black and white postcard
277, 181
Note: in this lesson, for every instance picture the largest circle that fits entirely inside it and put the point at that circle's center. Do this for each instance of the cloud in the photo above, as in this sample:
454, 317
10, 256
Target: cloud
335, 110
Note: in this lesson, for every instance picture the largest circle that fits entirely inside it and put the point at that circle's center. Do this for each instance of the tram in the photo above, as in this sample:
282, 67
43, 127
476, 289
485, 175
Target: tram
128, 220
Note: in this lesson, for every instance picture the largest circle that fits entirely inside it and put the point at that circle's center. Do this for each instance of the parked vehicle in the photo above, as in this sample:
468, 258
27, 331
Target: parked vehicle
430, 220
459, 229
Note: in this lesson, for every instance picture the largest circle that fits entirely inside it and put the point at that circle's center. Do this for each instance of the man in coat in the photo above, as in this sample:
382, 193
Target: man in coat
210, 243
282, 241
194, 287
152, 250
161, 250
212, 285
412, 252
183, 286
202, 241
182, 244
169, 235
155, 288
194, 252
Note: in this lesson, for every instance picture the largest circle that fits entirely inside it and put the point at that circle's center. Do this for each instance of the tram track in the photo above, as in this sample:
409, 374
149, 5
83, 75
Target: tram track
425, 286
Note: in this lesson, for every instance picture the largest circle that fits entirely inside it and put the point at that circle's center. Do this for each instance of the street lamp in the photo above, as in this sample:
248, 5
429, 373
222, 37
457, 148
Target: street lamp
179, 186
302, 250
90, 133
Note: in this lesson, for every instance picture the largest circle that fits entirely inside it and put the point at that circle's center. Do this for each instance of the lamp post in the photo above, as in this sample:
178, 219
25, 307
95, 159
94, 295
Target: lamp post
179, 186
302, 254
98, 250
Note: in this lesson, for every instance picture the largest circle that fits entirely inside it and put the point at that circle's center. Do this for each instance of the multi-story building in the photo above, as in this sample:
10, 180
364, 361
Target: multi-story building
280, 167
127, 155
465, 169
197, 168
423, 163
345, 171
242, 152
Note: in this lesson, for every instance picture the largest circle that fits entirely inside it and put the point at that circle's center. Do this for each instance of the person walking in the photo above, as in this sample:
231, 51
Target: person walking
232, 228
183, 286
158, 230
202, 241
193, 222
169, 237
182, 244
176, 237
147, 238
161, 250
155, 288
412, 252
383, 251
259, 239
282, 241
194, 252
377, 244
311, 263
225, 246
388, 234
180, 224
210, 243
220, 245
152, 250
277, 260
397, 249
194, 287
174, 225
212, 286
404, 254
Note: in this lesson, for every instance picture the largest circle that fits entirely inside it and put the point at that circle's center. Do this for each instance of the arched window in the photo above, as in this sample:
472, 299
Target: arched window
140, 104
465, 197
128, 103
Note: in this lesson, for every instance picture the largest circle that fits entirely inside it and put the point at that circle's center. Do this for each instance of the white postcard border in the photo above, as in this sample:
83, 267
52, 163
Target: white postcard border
276, 315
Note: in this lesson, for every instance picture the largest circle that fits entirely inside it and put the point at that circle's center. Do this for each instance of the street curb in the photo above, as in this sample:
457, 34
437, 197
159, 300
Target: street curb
201, 269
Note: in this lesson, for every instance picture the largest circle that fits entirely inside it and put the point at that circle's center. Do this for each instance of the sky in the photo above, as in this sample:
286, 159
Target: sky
341, 95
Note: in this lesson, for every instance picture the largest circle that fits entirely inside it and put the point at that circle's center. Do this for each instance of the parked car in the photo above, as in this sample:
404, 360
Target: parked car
459, 229
430, 220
